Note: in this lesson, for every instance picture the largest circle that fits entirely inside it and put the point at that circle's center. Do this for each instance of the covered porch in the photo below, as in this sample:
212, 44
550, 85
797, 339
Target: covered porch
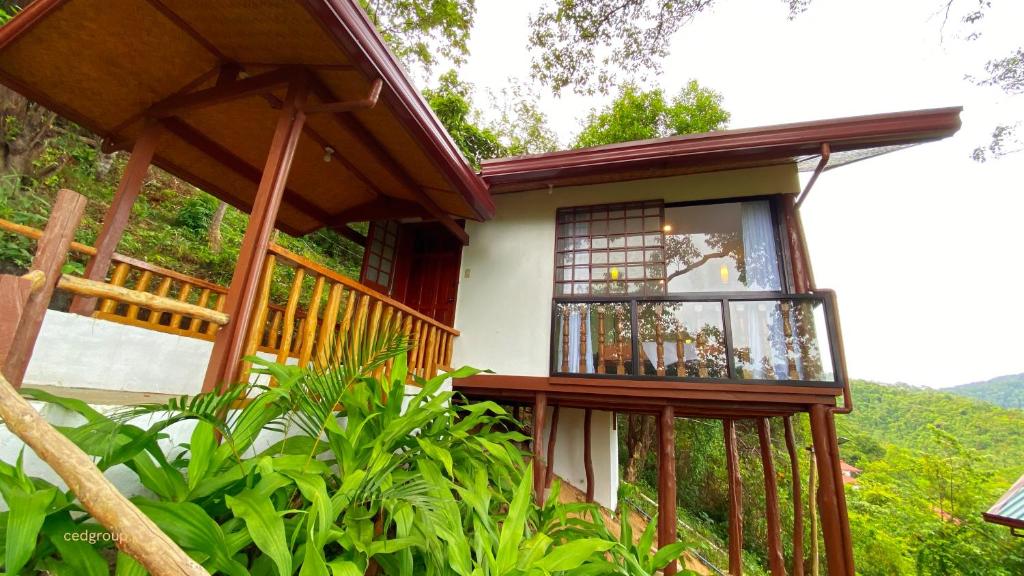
296, 114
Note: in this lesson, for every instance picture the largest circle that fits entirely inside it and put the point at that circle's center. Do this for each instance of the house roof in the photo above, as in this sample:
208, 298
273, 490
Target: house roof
848, 467
850, 139
104, 63
1009, 510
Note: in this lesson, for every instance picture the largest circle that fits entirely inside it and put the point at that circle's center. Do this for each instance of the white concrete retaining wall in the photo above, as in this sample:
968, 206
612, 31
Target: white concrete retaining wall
568, 457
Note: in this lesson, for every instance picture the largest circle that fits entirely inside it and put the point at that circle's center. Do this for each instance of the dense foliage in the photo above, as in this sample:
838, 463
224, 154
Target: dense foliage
931, 463
1006, 391
333, 471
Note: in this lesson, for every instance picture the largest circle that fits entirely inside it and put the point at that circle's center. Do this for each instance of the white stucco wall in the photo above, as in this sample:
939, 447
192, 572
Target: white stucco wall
568, 457
506, 283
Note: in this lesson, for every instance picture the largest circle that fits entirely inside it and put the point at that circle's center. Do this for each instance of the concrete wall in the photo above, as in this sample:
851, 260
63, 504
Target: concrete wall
506, 286
568, 458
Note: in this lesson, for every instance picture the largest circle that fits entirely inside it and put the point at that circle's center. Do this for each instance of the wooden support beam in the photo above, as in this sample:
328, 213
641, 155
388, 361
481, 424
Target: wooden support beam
732, 464
351, 235
225, 92
588, 459
798, 504
230, 340
237, 165
116, 219
667, 516
828, 494
840, 488
776, 564
51, 252
349, 105
374, 148
552, 438
540, 406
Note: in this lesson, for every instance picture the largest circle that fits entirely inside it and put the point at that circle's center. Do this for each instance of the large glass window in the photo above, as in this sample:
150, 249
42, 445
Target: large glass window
379, 259
726, 247
610, 249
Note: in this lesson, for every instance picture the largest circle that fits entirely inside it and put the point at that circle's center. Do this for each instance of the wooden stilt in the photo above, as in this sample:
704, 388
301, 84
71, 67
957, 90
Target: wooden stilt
828, 494
667, 517
227, 347
51, 252
798, 504
116, 219
732, 462
588, 459
840, 488
776, 564
552, 438
540, 404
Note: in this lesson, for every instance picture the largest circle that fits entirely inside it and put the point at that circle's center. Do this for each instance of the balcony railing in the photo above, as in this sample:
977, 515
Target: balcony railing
753, 338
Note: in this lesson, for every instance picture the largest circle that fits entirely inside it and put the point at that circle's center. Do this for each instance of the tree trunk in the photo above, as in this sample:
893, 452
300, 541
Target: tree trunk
639, 439
214, 236
27, 127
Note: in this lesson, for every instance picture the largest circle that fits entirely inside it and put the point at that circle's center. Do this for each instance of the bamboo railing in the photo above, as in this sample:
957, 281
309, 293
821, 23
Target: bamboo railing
337, 309
340, 308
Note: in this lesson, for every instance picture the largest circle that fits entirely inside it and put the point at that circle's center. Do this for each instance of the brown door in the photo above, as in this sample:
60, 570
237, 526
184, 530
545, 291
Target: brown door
433, 280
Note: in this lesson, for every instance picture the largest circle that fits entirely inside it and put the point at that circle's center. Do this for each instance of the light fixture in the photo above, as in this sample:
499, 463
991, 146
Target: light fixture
328, 153
667, 228
724, 273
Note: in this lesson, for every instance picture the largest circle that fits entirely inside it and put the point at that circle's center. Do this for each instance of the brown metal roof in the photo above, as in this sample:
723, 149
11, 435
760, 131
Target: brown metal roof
850, 139
104, 63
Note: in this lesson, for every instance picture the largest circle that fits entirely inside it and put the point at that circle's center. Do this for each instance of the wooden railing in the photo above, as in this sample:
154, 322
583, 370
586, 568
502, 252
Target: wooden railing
342, 308
337, 309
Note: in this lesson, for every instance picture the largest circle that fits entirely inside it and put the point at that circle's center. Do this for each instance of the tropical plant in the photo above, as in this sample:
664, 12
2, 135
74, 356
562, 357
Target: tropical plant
332, 470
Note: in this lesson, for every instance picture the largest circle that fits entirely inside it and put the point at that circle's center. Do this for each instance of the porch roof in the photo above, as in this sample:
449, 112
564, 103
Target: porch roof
1009, 510
850, 139
105, 63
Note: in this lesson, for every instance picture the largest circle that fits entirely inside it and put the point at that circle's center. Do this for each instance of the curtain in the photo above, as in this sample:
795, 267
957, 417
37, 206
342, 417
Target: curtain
763, 319
575, 317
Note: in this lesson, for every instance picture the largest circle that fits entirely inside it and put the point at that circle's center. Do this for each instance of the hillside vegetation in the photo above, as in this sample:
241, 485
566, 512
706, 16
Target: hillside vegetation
1006, 391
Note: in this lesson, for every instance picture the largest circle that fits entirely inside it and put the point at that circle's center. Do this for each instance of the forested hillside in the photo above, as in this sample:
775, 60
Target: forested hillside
931, 463
1006, 391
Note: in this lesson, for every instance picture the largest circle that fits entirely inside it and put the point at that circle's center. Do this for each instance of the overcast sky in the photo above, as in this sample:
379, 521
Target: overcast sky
924, 245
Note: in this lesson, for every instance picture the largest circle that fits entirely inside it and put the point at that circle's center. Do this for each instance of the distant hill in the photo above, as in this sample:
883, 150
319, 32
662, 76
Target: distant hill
1006, 391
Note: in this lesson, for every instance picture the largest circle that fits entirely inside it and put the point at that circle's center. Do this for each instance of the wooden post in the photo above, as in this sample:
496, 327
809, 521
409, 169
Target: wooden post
136, 534
588, 459
812, 512
803, 279
230, 340
798, 504
667, 517
840, 488
51, 252
680, 354
552, 438
659, 342
600, 368
565, 338
116, 219
540, 404
732, 462
620, 367
584, 313
829, 493
776, 564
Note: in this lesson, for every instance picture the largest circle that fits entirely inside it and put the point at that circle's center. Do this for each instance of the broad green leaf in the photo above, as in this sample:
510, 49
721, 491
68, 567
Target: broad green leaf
71, 541
265, 526
573, 554
515, 524
24, 520
192, 529
127, 566
667, 554
344, 568
202, 445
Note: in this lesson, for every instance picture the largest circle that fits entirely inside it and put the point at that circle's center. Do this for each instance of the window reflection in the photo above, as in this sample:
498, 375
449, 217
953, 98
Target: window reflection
683, 339
593, 338
780, 340
721, 248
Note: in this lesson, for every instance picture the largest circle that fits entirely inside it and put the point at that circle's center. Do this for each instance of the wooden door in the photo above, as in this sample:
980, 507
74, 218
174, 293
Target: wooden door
433, 274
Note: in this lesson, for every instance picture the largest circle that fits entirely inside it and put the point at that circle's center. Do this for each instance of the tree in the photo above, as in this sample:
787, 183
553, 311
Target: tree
420, 32
521, 125
451, 101
585, 46
639, 115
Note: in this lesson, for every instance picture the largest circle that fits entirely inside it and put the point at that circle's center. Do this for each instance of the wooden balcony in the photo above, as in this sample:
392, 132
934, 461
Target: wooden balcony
320, 309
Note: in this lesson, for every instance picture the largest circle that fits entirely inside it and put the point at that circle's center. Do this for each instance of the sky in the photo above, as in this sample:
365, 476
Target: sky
923, 245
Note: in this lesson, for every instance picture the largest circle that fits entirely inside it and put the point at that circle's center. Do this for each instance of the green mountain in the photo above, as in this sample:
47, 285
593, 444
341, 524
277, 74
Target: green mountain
1006, 391
931, 463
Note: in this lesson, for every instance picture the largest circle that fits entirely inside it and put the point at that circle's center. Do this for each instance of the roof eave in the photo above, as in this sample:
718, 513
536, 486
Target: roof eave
346, 22
771, 143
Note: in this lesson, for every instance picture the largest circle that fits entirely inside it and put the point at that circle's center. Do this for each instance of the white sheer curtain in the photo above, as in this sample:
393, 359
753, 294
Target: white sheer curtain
763, 320
580, 313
